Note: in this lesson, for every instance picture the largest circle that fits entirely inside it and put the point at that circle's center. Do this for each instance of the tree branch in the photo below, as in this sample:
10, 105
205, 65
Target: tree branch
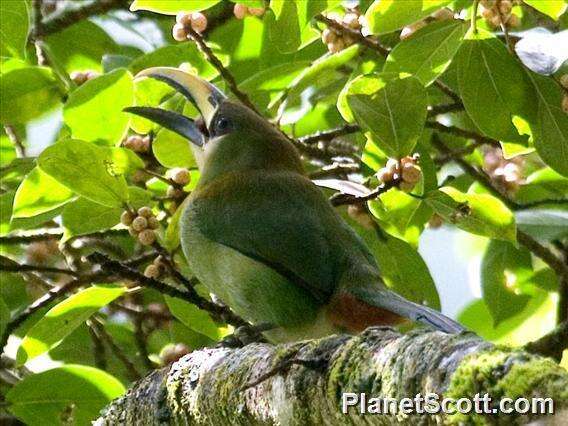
208, 386
220, 313
71, 15
327, 135
552, 344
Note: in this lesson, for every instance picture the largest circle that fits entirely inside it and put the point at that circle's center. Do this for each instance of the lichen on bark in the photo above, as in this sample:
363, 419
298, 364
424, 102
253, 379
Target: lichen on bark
209, 386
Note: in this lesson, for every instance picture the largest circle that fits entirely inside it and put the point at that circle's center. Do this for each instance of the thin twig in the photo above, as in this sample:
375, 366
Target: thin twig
9, 265
224, 72
443, 109
342, 199
98, 347
457, 131
130, 367
552, 344
15, 139
219, 312
73, 14
335, 170
327, 135
140, 339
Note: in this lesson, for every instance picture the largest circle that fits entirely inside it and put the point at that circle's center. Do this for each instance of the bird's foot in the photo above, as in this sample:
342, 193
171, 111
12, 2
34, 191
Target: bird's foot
316, 363
245, 335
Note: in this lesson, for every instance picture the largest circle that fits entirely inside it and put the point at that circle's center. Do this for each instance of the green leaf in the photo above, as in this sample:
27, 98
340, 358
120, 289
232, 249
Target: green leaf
45, 398
429, 52
405, 271
14, 21
550, 127
393, 110
544, 184
321, 67
175, 55
81, 46
172, 237
543, 224
195, 318
63, 318
503, 269
94, 110
172, 150
290, 29
4, 315
480, 214
86, 169
39, 193
493, 86
27, 93
172, 7
384, 16
552, 8
100, 217
84, 216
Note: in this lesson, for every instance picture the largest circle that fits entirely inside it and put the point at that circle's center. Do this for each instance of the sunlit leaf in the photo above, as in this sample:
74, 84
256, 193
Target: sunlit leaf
393, 110
63, 318
384, 16
14, 21
27, 93
39, 193
552, 8
429, 52
480, 214
94, 110
54, 396
172, 150
195, 318
86, 169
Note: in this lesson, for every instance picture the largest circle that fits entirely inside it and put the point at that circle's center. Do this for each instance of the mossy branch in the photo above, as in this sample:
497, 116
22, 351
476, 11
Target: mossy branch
210, 386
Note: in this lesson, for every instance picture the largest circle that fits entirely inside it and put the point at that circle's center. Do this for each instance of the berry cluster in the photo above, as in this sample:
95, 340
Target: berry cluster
506, 174
242, 10
337, 41
497, 12
172, 353
564, 84
155, 269
141, 225
406, 172
137, 143
443, 14
197, 21
80, 77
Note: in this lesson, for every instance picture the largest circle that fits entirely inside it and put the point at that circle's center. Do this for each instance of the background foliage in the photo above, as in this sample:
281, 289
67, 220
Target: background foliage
479, 91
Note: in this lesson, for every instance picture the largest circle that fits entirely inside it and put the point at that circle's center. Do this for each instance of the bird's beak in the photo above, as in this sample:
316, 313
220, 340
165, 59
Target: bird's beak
202, 94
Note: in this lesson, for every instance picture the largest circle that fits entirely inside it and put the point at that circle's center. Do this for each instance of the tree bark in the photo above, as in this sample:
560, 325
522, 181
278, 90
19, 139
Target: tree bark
207, 386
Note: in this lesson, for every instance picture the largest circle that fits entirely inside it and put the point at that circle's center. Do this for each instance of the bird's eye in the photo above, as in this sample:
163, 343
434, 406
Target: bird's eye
222, 125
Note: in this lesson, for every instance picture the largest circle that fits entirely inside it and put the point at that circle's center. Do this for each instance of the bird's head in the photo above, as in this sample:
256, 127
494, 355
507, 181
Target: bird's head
229, 135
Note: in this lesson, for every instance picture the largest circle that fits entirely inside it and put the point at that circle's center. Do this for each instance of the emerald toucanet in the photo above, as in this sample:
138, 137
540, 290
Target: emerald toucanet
262, 237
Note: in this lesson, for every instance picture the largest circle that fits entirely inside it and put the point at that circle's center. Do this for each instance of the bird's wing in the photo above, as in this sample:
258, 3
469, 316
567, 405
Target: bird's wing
282, 220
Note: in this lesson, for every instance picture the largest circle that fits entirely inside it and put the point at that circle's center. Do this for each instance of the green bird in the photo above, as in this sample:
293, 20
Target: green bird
262, 237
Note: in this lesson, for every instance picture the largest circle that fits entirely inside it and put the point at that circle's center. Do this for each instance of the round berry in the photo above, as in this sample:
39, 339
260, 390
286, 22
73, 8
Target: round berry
78, 77
406, 160
513, 21
328, 36
139, 223
91, 74
198, 22
147, 237
172, 353
385, 175
174, 192
411, 173
180, 176
152, 271
179, 33
505, 7
145, 211
240, 10
256, 11
126, 218
393, 166
436, 221
184, 19
358, 213
133, 232
406, 186
351, 20
153, 222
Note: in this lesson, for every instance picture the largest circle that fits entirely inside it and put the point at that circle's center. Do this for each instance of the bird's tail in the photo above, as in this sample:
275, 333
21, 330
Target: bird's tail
387, 299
